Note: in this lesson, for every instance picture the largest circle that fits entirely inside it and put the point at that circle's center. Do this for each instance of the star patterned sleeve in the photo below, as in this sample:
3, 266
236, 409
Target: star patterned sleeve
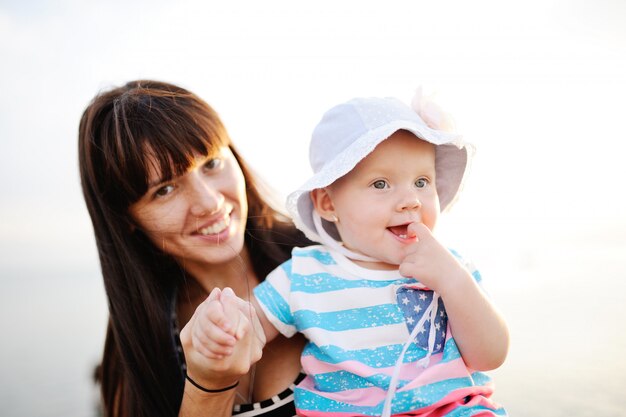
273, 297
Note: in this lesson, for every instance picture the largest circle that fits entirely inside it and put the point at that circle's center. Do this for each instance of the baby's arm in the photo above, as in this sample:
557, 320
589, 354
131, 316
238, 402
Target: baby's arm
268, 328
479, 330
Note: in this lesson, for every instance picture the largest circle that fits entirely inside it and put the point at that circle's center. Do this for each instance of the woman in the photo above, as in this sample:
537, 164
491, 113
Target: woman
176, 213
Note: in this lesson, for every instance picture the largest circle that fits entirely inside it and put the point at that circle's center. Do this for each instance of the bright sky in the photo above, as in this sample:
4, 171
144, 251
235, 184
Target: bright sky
537, 85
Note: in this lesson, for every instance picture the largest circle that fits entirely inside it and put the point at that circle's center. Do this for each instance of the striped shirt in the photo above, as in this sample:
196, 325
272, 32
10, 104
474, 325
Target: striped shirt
357, 321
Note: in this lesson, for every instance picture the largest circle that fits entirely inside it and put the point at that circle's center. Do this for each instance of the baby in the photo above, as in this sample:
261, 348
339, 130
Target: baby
397, 323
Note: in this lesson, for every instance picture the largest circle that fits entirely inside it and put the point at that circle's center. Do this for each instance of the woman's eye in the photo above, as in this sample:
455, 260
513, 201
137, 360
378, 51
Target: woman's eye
213, 164
380, 184
421, 183
163, 191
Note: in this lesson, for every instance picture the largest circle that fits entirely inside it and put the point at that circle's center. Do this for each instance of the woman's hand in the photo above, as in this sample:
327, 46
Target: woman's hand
222, 340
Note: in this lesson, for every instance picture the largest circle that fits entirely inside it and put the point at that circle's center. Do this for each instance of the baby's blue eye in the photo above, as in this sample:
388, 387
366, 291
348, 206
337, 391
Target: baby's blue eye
380, 184
421, 183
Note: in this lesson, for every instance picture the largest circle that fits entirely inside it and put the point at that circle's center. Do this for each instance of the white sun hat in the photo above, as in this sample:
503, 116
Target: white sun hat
349, 132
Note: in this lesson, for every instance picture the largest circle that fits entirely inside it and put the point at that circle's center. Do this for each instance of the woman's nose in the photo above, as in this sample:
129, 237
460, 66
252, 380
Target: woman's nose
205, 199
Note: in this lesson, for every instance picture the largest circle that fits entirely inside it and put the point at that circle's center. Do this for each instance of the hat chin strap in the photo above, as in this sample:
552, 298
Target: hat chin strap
329, 241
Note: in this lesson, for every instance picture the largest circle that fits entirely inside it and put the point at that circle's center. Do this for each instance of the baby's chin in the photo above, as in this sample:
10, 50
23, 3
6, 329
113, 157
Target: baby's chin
379, 260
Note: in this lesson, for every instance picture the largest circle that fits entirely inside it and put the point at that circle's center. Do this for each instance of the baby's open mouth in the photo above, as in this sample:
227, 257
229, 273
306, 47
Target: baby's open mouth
400, 230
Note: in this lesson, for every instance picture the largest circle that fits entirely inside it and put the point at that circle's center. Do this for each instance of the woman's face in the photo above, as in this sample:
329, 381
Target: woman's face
200, 217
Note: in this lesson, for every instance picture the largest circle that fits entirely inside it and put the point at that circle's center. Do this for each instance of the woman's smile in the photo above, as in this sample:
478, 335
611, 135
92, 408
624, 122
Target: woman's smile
218, 225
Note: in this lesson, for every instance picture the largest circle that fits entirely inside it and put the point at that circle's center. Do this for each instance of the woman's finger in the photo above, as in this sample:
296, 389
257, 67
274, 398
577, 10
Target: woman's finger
212, 311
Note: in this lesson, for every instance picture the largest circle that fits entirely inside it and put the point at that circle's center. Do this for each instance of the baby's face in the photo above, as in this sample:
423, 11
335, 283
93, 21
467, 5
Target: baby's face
389, 189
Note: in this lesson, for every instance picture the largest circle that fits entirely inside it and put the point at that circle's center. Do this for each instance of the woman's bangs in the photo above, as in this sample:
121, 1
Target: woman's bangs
171, 136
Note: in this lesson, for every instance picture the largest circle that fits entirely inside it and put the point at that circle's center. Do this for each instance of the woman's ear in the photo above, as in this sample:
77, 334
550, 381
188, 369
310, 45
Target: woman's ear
323, 204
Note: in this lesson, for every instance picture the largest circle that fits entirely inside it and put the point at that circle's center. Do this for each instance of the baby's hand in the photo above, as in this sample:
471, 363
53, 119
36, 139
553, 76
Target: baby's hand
220, 327
429, 261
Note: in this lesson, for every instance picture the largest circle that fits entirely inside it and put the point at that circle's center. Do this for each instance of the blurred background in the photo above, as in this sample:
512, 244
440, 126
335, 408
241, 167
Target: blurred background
539, 86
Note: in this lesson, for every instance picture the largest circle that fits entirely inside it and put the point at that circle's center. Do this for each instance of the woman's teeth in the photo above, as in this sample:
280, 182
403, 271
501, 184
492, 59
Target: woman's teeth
215, 228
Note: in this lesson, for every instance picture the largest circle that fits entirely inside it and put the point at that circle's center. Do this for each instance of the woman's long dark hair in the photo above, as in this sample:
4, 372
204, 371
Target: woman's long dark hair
141, 371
